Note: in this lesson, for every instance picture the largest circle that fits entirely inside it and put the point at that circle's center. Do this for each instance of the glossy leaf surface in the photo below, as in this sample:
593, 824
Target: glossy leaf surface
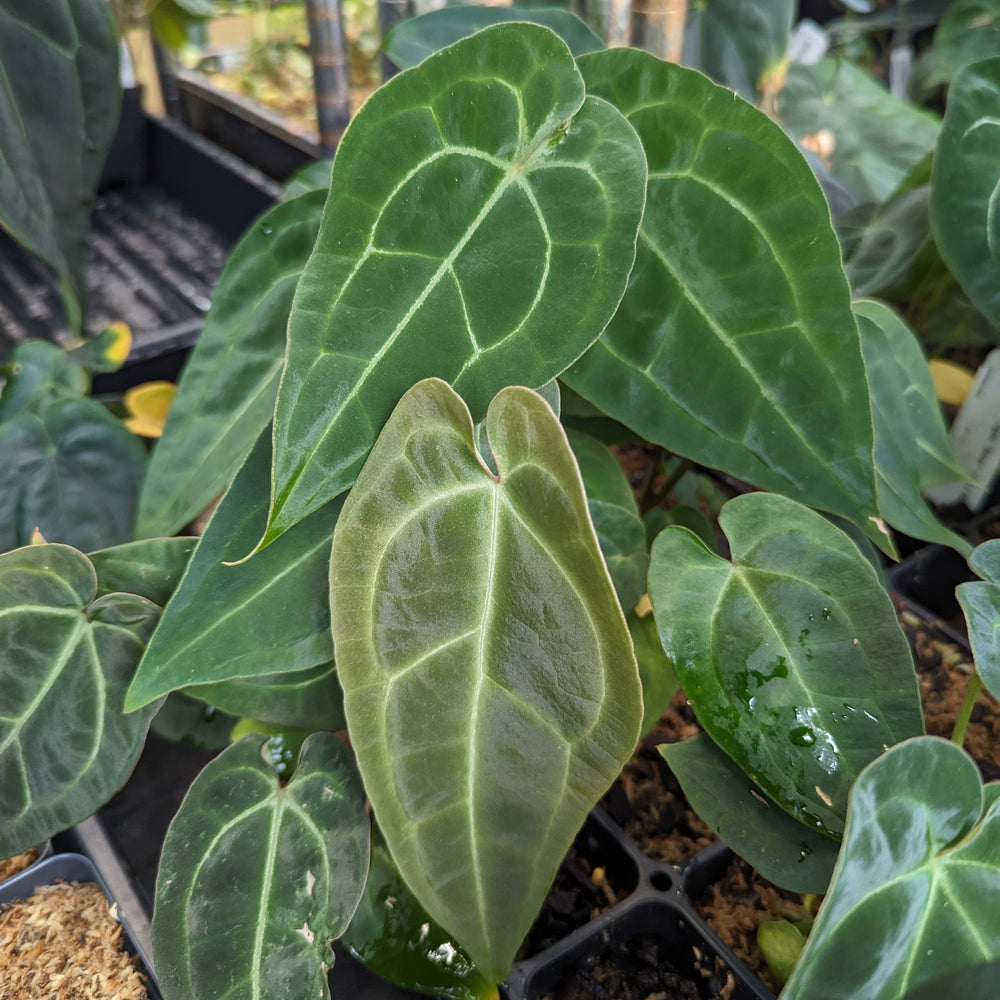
913, 896
256, 878
226, 394
489, 682
912, 448
413, 40
739, 44
791, 655
396, 938
152, 568
877, 138
480, 228
980, 601
620, 531
68, 655
59, 99
965, 185
262, 617
735, 344
74, 473
775, 843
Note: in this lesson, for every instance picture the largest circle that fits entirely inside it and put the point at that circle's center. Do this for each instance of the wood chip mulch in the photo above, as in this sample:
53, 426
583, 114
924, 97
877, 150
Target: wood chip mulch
64, 943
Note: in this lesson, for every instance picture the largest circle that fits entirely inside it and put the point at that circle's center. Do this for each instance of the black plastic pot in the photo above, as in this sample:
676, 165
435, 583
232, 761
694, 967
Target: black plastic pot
71, 867
657, 916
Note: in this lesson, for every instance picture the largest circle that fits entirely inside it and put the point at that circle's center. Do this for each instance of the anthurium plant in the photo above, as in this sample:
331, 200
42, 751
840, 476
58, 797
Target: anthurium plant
411, 551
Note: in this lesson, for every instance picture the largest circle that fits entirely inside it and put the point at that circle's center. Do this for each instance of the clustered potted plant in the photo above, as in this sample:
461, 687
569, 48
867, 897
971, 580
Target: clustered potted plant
410, 547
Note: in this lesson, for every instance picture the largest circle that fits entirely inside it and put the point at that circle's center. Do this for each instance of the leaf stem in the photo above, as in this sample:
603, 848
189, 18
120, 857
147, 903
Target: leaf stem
965, 712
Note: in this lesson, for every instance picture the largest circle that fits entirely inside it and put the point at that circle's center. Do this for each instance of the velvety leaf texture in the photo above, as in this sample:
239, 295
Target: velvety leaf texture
489, 682
65, 744
735, 344
791, 655
965, 185
257, 877
225, 397
913, 897
980, 601
480, 228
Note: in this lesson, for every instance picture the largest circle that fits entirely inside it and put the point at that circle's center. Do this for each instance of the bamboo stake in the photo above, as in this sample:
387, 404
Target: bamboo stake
331, 71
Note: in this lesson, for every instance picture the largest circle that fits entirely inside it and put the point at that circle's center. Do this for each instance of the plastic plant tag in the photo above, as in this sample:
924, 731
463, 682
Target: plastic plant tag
976, 437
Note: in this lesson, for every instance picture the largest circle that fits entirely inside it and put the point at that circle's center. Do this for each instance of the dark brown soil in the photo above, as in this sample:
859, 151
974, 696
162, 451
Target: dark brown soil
944, 671
737, 904
581, 890
647, 801
639, 969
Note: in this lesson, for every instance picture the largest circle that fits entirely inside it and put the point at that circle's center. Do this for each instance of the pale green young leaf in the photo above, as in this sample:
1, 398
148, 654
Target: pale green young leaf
489, 682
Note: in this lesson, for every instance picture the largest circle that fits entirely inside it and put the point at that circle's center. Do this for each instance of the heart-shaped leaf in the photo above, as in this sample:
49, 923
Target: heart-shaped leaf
226, 394
776, 844
73, 473
396, 938
735, 344
914, 893
740, 45
877, 138
256, 878
965, 204
912, 448
59, 99
480, 228
151, 568
980, 602
620, 531
791, 655
489, 682
265, 616
65, 744
413, 40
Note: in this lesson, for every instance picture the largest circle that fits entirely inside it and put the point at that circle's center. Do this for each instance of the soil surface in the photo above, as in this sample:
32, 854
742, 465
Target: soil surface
9, 867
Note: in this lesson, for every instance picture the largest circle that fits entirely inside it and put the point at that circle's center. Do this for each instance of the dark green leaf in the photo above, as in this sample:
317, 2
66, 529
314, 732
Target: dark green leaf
310, 698
151, 568
877, 137
980, 601
913, 897
968, 31
313, 176
965, 212
774, 843
738, 44
912, 448
256, 878
791, 656
39, 373
226, 394
59, 100
735, 345
65, 744
396, 938
74, 473
613, 510
976, 982
183, 719
269, 615
480, 227
489, 682
414, 39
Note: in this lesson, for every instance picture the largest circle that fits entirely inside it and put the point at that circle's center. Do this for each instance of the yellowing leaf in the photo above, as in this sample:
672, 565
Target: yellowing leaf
951, 381
117, 344
148, 405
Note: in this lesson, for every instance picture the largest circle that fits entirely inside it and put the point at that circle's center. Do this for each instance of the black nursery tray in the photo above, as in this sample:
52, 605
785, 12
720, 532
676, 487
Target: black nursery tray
170, 208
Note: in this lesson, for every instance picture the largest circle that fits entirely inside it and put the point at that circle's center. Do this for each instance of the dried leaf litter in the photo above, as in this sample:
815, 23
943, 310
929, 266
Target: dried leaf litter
64, 943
